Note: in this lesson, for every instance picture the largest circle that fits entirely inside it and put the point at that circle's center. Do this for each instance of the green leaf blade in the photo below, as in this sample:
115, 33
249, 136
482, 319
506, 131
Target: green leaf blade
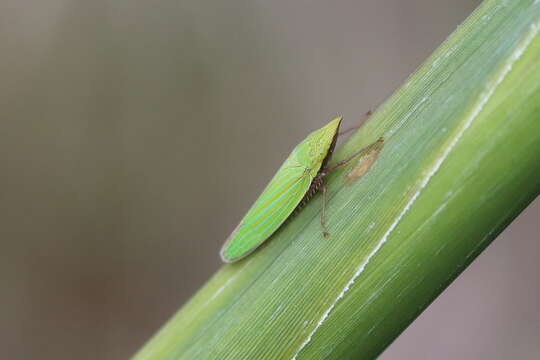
460, 161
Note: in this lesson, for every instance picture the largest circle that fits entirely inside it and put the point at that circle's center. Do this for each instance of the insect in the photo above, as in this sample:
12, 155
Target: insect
296, 181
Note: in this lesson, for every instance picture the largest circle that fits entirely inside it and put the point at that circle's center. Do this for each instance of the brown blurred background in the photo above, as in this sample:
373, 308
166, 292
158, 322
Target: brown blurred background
136, 133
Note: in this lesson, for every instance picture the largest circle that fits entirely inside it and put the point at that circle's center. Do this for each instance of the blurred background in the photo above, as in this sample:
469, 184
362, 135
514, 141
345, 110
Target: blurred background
135, 134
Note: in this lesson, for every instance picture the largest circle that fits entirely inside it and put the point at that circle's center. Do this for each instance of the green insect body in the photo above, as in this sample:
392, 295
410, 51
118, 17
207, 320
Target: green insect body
296, 179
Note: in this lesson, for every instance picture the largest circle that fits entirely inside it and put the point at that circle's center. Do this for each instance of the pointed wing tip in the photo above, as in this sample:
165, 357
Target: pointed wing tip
229, 260
225, 259
223, 251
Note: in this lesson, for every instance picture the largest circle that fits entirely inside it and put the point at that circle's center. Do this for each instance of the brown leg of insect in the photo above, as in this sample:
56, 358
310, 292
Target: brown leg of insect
345, 161
323, 212
368, 114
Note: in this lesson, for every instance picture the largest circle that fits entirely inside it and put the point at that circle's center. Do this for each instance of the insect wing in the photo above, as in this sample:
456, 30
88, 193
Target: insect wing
272, 208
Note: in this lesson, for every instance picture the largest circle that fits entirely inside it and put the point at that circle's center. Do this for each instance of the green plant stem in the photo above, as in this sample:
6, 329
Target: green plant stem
459, 162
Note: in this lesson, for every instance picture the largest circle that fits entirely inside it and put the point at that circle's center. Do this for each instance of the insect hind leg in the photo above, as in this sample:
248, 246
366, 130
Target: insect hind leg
323, 211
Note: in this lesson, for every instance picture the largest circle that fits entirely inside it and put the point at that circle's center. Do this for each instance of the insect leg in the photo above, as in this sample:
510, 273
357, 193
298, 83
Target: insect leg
323, 212
368, 114
346, 160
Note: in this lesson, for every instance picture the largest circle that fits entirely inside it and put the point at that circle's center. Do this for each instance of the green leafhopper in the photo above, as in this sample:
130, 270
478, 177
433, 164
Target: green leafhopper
296, 181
